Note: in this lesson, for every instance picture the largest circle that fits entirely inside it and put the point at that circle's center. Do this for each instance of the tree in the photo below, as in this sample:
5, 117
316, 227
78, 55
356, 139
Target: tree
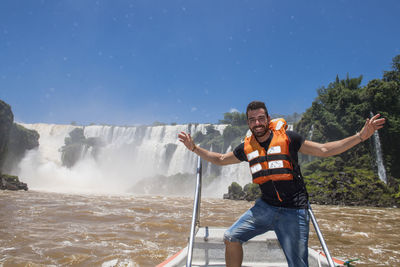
394, 74
234, 118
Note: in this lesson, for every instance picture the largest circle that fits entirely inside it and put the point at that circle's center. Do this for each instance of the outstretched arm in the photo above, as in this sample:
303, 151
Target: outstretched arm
213, 157
340, 146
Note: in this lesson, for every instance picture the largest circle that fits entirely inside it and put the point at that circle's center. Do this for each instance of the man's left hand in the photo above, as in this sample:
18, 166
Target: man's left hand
370, 126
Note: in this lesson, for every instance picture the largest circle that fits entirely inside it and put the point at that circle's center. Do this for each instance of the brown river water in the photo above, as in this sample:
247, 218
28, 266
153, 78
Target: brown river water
53, 229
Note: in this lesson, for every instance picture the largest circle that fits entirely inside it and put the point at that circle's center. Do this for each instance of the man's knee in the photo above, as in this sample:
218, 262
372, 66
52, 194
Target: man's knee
232, 244
229, 237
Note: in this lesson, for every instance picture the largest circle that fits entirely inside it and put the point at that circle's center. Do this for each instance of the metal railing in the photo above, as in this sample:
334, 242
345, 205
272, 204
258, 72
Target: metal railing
320, 237
196, 213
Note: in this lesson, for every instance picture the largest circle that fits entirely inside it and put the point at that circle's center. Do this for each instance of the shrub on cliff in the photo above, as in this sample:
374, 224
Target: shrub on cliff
250, 192
235, 191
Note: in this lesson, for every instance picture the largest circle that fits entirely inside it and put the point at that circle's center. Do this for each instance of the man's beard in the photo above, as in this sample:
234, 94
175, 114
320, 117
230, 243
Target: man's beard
259, 133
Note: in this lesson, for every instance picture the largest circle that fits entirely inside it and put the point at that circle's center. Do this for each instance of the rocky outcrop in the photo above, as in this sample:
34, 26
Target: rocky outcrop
15, 140
77, 145
250, 192
6, 122
10, 182
20, 140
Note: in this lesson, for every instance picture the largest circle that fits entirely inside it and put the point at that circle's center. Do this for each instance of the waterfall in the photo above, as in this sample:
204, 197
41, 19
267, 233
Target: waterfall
311, 132
128, 156
379, 158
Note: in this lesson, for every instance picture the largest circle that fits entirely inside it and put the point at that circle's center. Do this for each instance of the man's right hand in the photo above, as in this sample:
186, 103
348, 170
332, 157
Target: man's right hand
187, 140
213, 157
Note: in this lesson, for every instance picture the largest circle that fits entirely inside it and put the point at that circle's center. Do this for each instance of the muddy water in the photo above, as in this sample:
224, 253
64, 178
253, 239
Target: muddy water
51, 229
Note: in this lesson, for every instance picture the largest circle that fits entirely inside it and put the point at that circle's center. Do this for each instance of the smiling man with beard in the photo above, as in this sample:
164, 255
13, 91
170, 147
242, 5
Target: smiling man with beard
272, 154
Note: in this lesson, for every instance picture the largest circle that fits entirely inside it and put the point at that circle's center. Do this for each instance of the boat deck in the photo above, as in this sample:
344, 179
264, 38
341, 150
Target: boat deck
260, 249
263, 250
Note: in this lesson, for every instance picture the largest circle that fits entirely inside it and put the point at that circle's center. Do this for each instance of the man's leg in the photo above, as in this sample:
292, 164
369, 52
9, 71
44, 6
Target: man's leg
292, 230
233, 254
255, 221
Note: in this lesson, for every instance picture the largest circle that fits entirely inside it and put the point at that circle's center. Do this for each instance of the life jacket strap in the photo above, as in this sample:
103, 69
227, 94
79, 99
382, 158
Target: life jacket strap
269, 158
271, 172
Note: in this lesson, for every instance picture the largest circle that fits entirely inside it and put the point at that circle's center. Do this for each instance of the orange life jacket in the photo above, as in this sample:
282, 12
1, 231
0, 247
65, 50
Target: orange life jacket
274, 164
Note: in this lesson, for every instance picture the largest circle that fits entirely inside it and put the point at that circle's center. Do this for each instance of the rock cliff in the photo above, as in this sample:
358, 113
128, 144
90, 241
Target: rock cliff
15, 140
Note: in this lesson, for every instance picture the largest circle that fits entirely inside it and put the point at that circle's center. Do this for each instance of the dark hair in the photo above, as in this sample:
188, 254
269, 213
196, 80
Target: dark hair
256, 105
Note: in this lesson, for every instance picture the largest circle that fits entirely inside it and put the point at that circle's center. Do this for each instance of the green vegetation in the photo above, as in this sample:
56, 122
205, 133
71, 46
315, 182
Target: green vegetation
290, 119
339, 111
231, 136
250, 192
212, 140
158, 123
330, 181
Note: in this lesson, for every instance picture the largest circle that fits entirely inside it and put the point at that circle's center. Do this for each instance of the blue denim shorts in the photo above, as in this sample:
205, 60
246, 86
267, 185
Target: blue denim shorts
290, 225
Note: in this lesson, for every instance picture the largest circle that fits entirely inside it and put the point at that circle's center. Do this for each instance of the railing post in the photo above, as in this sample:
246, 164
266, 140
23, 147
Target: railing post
320, 237
196, 213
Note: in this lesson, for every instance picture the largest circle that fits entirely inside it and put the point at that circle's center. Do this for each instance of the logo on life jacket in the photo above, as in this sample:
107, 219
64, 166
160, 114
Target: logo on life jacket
274, 164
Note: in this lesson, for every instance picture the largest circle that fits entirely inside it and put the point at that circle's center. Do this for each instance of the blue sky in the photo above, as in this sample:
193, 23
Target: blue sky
135, 62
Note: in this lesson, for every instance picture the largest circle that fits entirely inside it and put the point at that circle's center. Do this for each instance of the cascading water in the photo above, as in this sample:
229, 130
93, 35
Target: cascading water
379, 158
128, 155
310, 133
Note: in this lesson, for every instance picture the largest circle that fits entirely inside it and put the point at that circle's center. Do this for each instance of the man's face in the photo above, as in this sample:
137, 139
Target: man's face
258, 122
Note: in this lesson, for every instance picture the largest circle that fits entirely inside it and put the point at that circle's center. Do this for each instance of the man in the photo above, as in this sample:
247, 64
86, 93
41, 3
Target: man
272, 155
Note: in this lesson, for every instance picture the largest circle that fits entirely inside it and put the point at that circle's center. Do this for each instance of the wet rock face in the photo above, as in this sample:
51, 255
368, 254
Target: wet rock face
6, 123
9, 182
15, 140
77, 145
19, 141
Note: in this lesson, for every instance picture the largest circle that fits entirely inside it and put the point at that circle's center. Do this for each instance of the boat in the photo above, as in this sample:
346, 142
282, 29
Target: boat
206, 245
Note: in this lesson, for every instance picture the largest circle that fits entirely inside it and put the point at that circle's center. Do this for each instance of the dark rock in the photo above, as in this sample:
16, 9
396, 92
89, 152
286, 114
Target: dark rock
9, 182
6, 122
15, 140
20, 141
77, 145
